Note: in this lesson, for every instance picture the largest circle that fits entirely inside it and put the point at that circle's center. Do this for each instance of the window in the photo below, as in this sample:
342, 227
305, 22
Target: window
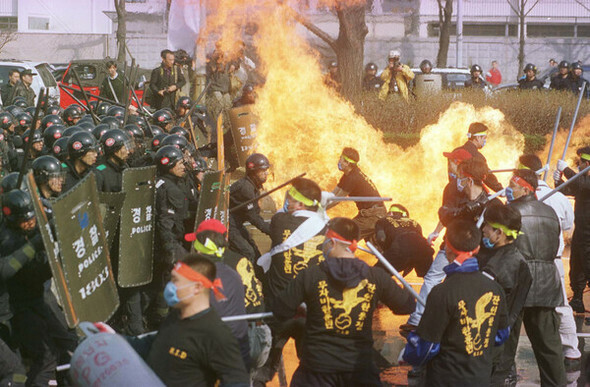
583, 31
8, 23
45, 75
550, 30
38, 23
484, 29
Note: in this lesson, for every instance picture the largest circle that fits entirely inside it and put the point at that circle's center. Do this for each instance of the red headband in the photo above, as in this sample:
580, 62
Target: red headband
461, 256
187, 272
334, 235
523, 183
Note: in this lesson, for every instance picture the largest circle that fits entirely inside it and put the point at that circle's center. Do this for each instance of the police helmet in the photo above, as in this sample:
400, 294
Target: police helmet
157, 141
46, 168
20, 102
167, 157
179, 130
102, 108
85, 125
371, 67
577, 66
475, 68
564, 64
52, 134
60, 149
116, 111
14, 110
113, 140
134, 131
175, 140
37, 136
201, 165
426, 64
99, 130
68, 132
17, 206
9, 181
162, 118
530, 67
256, 162
70, 114
6, 120
53, 109
81, 143
51, 119
31, 111
184, 102
112, 122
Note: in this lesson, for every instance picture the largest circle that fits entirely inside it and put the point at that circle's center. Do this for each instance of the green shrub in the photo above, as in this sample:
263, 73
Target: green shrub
530, 112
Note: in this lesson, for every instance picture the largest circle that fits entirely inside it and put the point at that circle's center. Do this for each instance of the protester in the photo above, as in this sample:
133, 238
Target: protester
464, 318
112, 87
340, 295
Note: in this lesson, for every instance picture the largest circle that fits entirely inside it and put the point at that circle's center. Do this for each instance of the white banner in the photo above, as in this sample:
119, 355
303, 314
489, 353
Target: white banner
184, 22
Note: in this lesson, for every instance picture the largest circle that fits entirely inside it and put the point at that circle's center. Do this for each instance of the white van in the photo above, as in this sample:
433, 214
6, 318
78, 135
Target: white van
44, 78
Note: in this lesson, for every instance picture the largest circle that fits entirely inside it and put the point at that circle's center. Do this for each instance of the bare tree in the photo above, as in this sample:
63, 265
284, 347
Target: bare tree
445, 14
583, 5
522, 9
121, 29
6, 37
349, 46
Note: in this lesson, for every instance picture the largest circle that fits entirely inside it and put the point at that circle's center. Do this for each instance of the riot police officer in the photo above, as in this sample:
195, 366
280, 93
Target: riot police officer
116, 146
577, 80
35, 150
530, 81
71, 115
50, 136
83, 152
243, 190
49, 177
171, 207
561, 80
163, 119
40, 334
476, 81
371, 82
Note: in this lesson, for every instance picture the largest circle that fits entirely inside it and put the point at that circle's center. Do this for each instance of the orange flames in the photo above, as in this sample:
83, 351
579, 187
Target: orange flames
304, 125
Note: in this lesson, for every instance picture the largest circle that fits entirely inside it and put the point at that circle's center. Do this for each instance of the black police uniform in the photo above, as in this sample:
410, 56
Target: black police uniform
471, 84
111, 176
73, 177
171, 207
239, 237
372, 83
576, 85
527, 84
40, 333
558, 82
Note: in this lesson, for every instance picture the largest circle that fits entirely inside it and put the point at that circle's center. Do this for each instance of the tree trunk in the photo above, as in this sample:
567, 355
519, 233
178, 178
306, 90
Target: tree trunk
521, 18
121, 29
350, 48
445, 15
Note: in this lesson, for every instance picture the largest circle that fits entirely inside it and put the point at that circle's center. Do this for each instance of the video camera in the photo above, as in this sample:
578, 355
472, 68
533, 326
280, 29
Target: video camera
182, 58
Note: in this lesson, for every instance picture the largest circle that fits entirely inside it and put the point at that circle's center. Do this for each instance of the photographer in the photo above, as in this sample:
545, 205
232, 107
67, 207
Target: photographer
166, 82
395, 77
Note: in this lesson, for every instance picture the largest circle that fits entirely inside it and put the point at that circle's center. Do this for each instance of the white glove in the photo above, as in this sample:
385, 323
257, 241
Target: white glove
557, 175
561, 165
432, 237
325, 196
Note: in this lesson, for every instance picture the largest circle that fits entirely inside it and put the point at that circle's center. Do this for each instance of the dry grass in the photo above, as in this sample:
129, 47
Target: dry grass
532, 113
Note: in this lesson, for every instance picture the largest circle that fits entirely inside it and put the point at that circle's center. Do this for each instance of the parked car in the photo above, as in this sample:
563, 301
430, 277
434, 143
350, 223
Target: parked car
92, 72
452, 78
44, 78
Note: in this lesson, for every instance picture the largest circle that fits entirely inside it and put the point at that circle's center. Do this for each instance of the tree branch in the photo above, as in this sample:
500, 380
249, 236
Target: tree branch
6, 37
517, 12
532, 6
583, 5
313, 28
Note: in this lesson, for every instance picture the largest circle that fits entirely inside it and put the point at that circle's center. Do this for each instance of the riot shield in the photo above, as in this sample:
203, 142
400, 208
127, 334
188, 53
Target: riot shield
110, 211
53, 254
136, 241
210, 198
243, 130
223, 208
84, 252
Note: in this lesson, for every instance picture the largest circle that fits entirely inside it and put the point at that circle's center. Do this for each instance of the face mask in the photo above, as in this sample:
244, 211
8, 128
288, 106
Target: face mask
325, 249
509, 194
340, 167
171, 293
286, 205
488, 243
460, 186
